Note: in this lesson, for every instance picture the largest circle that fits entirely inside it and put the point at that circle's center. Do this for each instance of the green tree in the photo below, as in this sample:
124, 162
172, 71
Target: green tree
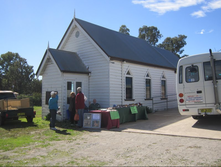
174, 44
15, 73
36, 86
150, 34
123, 29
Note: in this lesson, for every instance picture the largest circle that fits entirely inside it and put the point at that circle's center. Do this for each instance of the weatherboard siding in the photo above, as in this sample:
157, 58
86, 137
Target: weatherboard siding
95, 61
115, 83
138, 73
51, 81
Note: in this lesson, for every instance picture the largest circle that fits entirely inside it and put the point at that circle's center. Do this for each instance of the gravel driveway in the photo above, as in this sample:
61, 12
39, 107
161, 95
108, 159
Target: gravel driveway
109, 148
129, 145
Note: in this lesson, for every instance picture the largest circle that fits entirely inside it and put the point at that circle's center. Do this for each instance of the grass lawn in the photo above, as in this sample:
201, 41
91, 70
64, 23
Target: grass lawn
20, 133
18, 139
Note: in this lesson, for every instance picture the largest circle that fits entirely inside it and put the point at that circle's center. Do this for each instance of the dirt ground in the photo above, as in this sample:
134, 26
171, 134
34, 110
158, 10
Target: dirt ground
111, 148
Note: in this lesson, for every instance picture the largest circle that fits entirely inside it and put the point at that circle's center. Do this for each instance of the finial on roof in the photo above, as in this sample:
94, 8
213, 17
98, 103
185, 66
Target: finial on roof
48, 45
74, 13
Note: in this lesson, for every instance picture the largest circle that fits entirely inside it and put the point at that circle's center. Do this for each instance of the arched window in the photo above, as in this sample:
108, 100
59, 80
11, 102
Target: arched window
163, 86
148, 85
129, 85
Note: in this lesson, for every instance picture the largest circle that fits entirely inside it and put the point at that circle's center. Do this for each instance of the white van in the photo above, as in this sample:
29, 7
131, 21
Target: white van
198, 85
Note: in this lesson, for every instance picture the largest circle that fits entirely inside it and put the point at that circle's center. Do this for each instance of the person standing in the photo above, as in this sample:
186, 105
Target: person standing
79, 105
72, 109
53, 107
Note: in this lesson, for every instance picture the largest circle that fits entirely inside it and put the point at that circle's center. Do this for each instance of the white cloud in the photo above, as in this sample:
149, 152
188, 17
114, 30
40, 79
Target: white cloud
202, 31
215, 4
209, 7
199, 13
210, 31
163, 6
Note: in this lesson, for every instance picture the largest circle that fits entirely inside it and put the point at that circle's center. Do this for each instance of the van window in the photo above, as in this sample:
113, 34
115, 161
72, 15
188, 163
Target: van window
218, 69
180, 74
192, 74
208, 72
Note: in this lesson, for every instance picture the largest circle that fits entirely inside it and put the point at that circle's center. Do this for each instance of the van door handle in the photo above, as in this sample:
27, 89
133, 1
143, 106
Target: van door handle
199, 91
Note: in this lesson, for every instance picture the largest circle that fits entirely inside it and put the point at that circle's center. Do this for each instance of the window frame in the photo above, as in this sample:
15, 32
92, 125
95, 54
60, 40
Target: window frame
131, 88
163, 87
146, 88
128, 75
180, 74
217, 65
186, 76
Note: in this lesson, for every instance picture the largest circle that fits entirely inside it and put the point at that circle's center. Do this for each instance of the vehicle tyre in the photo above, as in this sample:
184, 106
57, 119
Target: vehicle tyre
29, 119
197, 117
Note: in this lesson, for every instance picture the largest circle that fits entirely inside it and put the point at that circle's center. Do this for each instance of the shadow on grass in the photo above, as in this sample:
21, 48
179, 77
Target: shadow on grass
12, 124
63, 132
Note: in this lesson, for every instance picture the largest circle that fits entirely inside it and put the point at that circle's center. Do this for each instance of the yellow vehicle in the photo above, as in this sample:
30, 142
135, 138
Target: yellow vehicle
12, 108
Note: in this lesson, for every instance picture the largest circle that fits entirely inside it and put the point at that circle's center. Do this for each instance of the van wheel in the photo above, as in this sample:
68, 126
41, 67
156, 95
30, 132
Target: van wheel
29, 119
197, 117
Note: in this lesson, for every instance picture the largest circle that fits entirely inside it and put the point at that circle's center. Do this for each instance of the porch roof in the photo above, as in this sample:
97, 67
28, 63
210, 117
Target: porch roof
68, 61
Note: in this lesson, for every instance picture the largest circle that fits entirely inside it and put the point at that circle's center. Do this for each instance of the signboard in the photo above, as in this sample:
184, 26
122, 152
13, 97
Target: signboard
133, 110
194, 99
92, 120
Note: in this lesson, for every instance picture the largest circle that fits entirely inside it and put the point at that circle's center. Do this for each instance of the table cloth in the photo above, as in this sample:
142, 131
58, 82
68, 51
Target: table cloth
106, 121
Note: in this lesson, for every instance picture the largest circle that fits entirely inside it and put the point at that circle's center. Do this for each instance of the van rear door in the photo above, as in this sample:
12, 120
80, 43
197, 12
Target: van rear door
194, 85
208, 83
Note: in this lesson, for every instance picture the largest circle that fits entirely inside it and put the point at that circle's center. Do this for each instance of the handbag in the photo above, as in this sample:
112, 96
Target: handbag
76, 116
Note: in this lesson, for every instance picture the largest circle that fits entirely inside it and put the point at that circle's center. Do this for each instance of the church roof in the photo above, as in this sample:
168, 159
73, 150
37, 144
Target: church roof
128, 48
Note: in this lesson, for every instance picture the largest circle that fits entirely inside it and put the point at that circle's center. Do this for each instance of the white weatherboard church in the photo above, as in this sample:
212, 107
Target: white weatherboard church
114, 68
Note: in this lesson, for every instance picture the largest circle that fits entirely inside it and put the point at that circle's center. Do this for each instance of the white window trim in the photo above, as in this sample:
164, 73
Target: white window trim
131, 76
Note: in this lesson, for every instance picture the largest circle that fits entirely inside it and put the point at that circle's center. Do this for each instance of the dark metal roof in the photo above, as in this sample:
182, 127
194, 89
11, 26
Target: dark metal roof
68, 61
124, 47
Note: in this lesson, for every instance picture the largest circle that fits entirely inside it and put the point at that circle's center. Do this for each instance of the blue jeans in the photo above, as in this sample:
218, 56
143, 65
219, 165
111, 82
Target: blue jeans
53, 118
81, 115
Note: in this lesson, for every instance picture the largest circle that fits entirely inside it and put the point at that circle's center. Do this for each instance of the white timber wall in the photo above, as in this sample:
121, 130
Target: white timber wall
138, 72
97, 63
51, 81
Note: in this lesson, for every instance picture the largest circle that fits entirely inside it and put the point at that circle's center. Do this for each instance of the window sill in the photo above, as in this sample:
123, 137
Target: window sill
129, 99
163, 98
149, 99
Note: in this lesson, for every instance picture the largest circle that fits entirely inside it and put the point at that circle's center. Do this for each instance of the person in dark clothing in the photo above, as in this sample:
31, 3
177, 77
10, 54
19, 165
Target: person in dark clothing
72, 109
94, 105
79, 105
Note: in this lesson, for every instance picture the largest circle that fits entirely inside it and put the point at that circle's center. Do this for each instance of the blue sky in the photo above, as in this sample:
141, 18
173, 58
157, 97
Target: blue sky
28, 25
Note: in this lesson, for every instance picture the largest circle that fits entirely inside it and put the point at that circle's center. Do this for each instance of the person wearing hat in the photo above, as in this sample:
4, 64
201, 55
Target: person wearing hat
79, 105
53, 107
